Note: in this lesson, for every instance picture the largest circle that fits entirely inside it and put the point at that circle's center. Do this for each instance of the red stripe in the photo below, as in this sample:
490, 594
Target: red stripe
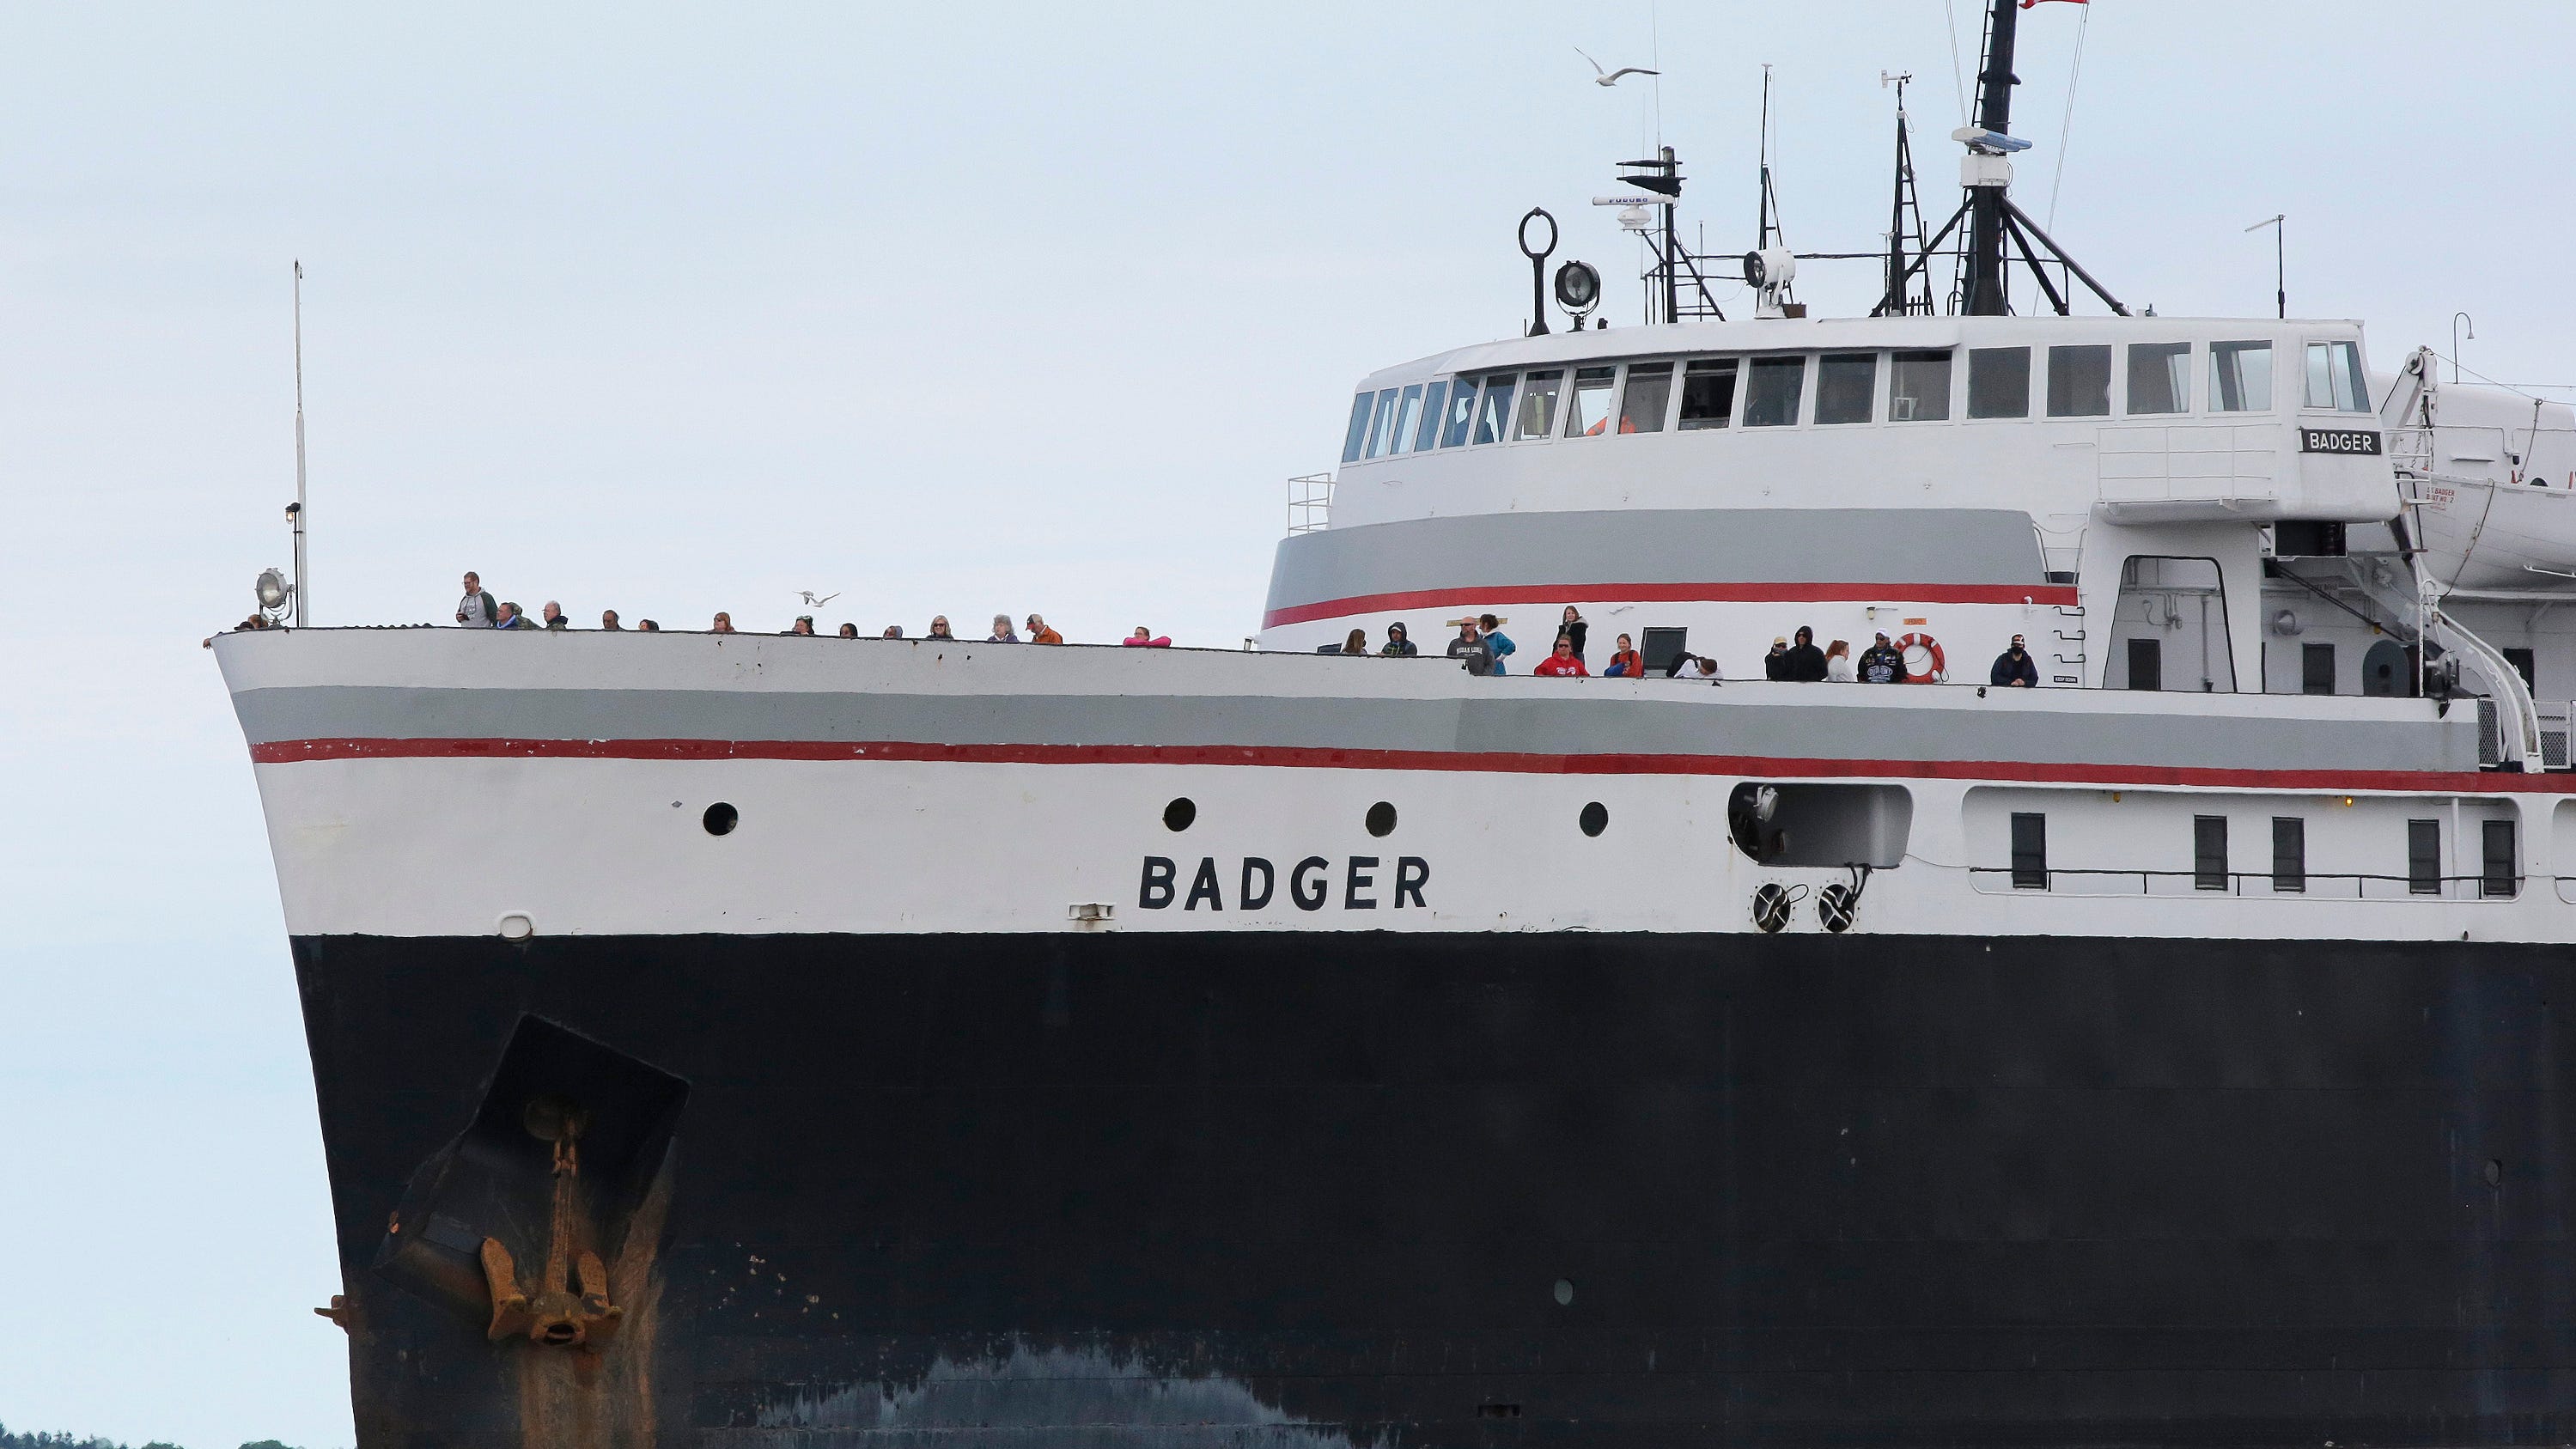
1676, 594
1288, 757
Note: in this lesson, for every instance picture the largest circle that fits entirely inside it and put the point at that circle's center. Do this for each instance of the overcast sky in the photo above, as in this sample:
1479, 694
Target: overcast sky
959, 309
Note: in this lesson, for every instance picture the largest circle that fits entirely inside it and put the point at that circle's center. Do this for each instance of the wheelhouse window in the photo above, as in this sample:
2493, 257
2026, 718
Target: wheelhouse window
1494, 419
1408, 420
1846, 387
1383, 427
1708, 394
1918, 387
1649, 393
1429, 433
2334, 378
2240, 377
1587, 414
1538, 403
1773, 392
2159, 378
2079, 382
1462, 413
1999, 382
1357, 437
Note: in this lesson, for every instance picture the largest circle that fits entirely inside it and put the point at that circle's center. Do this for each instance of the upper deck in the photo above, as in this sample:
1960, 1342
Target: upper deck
2152, 418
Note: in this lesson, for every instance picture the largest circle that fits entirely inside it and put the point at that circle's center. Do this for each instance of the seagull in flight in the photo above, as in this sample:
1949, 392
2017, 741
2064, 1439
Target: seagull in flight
1611, 77
814, 603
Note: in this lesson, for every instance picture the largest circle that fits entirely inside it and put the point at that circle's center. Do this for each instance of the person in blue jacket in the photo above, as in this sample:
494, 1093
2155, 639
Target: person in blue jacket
2015, 667
1497, 643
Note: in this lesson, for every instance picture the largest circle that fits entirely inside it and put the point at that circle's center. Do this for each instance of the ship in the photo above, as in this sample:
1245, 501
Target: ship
927, 1041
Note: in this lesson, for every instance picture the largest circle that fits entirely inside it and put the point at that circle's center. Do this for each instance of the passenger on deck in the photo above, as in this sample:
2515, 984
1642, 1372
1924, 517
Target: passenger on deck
722, 625
608, 620
647, 626
1039, 633
849, 631
939, 627
1880, 663
2014, 668
1498, 645
1775, 665
1002, 631
1561, 663
1399, 642
1467, 642
512, 618
476, 610
1145, 638
1356, 642
1573, 628
892, 631
1806, 662
555, 616
1625, 663
804, 625
1693, 666
1838, 663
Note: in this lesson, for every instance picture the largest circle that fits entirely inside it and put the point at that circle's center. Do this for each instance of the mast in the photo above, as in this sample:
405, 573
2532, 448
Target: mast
303, 581
1904, 223
1986, 293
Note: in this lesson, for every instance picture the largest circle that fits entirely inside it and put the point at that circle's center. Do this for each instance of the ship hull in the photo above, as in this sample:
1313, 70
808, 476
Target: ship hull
1183, 1189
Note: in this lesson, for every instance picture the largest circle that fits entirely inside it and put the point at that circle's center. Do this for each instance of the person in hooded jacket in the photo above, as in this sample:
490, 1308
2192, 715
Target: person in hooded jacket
1882, 663
1804, 663
2014, 668
1399, 642
1561, 663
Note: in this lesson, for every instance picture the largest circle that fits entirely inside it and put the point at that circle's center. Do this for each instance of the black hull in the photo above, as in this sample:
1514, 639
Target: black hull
1301, 1189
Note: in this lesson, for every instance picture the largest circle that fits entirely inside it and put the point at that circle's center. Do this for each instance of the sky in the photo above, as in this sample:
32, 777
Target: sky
936, 308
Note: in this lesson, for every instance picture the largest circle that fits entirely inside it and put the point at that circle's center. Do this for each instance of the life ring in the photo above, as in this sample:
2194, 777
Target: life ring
1905, 648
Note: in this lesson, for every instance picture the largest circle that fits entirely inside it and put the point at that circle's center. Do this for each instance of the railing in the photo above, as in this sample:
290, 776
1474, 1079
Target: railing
1310, 503
2486, 887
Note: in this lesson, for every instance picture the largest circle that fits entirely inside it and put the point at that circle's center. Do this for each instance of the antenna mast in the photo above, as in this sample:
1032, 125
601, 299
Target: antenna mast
1904, 225
303, 581
1986, 292
1765, 226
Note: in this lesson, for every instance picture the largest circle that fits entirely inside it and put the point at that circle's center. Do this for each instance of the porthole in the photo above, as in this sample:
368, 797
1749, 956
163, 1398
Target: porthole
1381, 819
720, 818
1178, 815
1594, 819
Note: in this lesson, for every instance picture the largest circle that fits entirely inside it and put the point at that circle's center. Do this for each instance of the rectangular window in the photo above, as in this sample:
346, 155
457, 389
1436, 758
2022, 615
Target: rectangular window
1649, 393
1708, 394
2289, 855
2209, 852
1999, 382
1429, 433
1408, 420
1847, 387
1662, 647
1494, 420
2334, 378
1462, 413
2146, 664
1357, 437
2240, 377
2159, 378
1918, 387
1383, 427
2029, 851
1772, 393
1538, 403
1588, 415
2079, 382
2316, 669
2497, 876
2424, 857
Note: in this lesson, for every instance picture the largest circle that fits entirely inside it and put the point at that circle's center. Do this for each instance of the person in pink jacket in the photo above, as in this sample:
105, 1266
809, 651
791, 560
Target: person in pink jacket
1146, 639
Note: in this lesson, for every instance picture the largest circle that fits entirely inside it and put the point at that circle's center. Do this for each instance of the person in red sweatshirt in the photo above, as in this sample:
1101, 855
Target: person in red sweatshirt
1563, 662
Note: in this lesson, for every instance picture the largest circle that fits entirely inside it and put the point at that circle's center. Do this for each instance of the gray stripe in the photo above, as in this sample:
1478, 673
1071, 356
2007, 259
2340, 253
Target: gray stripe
1661, 546
1791, 721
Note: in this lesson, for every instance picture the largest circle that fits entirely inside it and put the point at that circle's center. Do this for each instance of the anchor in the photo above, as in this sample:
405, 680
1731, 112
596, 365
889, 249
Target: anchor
570, 1307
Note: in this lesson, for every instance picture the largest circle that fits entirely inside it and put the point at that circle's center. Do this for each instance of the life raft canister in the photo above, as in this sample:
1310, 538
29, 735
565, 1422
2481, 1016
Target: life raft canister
1940, 670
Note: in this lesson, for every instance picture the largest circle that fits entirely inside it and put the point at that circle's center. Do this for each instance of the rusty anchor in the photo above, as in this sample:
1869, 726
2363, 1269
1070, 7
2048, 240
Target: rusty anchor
570, 1307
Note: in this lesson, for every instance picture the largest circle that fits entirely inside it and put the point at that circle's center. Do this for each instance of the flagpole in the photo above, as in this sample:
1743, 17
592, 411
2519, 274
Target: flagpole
303, 580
